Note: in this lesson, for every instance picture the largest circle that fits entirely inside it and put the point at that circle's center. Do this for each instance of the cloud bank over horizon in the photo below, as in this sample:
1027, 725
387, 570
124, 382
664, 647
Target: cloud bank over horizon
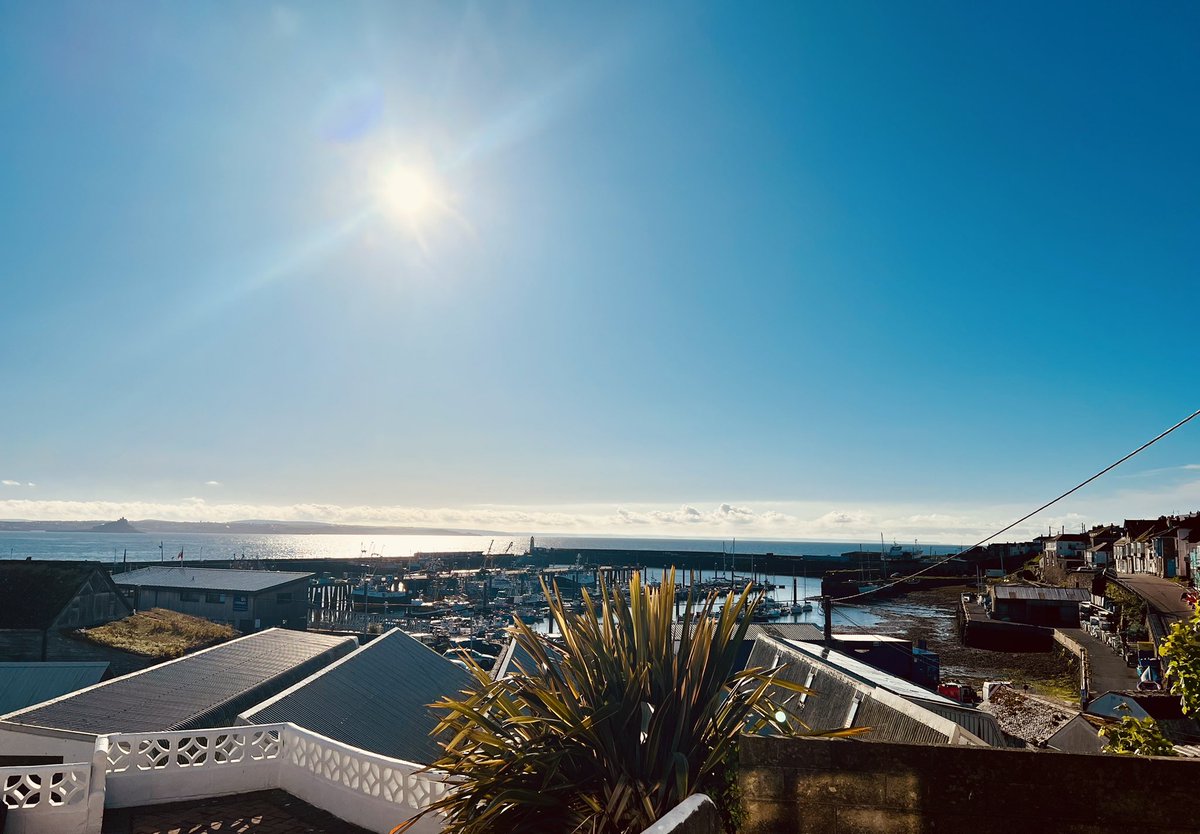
961, 523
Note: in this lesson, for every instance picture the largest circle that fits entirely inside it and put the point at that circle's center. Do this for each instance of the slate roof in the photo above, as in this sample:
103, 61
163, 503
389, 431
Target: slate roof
375, 699
208, 579
34, 593
205, 689
23, 684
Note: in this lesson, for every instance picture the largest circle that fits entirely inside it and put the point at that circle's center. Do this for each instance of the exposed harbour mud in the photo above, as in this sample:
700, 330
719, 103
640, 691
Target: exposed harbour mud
929, 615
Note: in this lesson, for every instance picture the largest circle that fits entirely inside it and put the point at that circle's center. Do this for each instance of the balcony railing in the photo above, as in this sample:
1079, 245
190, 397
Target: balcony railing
134, 769
46, 798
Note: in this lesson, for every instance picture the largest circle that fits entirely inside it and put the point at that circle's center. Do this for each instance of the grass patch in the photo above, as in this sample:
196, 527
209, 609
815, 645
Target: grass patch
159, 633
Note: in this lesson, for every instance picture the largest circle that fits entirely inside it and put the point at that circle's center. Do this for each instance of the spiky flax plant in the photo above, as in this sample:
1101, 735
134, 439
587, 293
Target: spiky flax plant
615, 723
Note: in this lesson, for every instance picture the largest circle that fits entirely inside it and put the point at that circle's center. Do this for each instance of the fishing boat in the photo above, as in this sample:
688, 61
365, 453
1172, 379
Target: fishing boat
767, 609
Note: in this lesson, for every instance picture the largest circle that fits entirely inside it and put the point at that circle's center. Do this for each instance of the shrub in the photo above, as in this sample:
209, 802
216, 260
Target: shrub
612, 729
1138, 737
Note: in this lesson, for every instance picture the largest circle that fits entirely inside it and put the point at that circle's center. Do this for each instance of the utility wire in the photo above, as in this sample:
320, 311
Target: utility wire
1030, 515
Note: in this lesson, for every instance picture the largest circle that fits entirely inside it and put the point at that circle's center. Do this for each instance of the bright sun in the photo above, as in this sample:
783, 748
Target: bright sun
409, 194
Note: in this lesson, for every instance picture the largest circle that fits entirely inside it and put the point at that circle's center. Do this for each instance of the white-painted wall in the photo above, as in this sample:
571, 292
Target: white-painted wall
47, 799
75, 747
371, 791
134, 769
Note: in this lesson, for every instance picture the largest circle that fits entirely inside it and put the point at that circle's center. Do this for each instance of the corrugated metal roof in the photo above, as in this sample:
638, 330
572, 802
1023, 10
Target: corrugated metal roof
205, 689
1034, 592
972, 720
785, 631
890, 716
869, 674
376, 699
207, 579
24, 684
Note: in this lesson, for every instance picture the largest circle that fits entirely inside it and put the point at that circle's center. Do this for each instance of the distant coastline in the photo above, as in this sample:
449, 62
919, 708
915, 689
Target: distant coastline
247, 527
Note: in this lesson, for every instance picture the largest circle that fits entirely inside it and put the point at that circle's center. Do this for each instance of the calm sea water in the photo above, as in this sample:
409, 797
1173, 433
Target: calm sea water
145, 547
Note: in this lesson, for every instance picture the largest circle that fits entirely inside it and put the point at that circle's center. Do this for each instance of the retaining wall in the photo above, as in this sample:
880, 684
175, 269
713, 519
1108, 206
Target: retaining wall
840, 785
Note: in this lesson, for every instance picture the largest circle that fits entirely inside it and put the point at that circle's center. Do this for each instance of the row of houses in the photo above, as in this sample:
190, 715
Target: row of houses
1167, 547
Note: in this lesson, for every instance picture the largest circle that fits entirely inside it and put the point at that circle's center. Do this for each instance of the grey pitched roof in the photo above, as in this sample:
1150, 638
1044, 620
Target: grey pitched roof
207, 579
205, 689
375, 699
1038, 592
894, 709
23, 684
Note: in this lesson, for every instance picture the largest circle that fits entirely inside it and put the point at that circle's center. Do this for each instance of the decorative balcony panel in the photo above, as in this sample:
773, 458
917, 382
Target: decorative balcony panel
44, 787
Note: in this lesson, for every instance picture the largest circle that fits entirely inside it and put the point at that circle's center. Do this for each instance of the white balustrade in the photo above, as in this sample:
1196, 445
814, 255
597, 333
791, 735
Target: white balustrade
369, 790
134, 769
49, 798
364, 788
149, 768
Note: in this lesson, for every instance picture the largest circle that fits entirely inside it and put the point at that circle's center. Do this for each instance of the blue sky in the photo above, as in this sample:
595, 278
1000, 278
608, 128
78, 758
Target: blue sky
815, 270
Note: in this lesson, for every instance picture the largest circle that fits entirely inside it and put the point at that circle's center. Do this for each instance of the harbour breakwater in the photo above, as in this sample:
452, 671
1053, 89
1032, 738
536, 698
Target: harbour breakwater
842, 575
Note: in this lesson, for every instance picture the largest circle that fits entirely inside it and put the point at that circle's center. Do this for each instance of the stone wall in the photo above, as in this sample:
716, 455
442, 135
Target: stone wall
831, 785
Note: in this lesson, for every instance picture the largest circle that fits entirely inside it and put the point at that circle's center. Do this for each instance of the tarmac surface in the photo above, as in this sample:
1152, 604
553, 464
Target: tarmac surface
1163, 595
1109, 673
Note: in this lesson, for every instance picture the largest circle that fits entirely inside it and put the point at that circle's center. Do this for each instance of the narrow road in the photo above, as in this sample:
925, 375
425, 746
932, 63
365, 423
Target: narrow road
1108, 670
1162, 595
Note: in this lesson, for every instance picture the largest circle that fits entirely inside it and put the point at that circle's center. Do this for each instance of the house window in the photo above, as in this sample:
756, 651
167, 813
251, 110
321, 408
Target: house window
283, 599
241, 603
189, 596
218, 599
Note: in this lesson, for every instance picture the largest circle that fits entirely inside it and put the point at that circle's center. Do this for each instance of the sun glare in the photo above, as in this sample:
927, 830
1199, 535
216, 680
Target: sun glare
411, 195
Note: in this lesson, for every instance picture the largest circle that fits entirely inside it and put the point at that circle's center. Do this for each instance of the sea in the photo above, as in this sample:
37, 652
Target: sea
155, 547
114, 548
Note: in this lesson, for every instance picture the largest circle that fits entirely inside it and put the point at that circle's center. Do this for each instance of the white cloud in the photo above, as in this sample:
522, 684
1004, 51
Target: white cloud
837, 518
31, 484
212, 483
10, 483
932, 522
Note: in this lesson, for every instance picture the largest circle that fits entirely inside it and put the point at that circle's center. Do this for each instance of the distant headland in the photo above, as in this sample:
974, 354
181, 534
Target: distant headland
121, 525
251, 527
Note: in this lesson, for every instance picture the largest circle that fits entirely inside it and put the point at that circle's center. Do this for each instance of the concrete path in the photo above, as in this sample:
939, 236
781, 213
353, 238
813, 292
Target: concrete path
1108, 671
